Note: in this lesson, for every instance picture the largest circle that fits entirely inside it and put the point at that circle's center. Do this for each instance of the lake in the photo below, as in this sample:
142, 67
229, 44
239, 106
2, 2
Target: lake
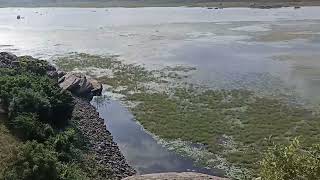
269, 51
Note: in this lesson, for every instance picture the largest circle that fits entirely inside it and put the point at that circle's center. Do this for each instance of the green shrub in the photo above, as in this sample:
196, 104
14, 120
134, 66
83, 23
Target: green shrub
28, 100
62, 107
7, 72
291, 162
36, 161
32, 65
27, 126
71, 172
62, 143
8, 83
39, 110
33, 162
36, 94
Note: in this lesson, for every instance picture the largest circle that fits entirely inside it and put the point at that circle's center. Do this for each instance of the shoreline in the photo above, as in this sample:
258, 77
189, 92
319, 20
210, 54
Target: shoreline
91, 145
138, 4
100, 141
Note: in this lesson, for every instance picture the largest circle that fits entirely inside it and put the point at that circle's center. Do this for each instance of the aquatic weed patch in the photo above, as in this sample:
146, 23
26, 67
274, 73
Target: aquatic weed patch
231, 125
207, 116
82, 60
122, 74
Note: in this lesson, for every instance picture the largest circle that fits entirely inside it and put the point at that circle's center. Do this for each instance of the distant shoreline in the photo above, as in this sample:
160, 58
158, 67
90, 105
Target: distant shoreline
137, 4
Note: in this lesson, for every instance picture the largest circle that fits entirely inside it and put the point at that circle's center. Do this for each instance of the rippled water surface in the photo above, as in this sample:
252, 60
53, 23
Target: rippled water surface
269, 51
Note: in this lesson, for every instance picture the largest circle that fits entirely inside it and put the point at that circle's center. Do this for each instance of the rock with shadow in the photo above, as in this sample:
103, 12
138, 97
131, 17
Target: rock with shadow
80, 85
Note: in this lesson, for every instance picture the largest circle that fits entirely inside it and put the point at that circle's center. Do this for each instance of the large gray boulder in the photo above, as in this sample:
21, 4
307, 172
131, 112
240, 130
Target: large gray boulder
80, 85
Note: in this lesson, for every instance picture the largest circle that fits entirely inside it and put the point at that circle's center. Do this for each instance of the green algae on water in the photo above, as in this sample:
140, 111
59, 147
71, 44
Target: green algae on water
232, 126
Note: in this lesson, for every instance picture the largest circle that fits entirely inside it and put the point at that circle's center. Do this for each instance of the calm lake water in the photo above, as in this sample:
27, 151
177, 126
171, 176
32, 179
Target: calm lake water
269, 51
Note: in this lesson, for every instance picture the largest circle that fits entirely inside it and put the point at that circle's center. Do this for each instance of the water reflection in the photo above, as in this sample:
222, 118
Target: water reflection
139, 147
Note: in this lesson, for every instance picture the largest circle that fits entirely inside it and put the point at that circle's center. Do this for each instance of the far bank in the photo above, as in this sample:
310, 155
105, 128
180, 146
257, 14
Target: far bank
164, 3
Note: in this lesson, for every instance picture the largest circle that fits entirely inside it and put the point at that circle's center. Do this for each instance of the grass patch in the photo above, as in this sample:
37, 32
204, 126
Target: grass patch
81, 60
8, 145
123, 74
208, 116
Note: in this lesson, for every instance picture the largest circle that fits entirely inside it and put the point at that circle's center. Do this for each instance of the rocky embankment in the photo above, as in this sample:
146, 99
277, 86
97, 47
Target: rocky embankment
105, 149
92, 127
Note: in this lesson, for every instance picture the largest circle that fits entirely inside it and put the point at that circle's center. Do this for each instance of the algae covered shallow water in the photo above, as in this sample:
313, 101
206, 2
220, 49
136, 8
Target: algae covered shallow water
257, 58
140, 148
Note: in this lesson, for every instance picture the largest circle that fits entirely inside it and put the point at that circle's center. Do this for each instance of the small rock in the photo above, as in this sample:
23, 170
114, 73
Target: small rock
61, 74
15, 63
53, 74
50, 68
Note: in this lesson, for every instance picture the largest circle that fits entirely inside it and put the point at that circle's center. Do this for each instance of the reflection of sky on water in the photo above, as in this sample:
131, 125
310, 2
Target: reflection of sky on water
139, 148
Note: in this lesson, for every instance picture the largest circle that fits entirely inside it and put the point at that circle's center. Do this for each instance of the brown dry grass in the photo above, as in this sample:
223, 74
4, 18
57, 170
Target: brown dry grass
8, 145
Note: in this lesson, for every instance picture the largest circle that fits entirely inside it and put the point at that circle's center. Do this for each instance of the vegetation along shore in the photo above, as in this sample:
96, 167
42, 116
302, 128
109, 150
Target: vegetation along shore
48, 133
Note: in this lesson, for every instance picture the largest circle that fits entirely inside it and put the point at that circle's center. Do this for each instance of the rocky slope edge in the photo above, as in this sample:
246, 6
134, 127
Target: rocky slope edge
108, 159
106, 151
